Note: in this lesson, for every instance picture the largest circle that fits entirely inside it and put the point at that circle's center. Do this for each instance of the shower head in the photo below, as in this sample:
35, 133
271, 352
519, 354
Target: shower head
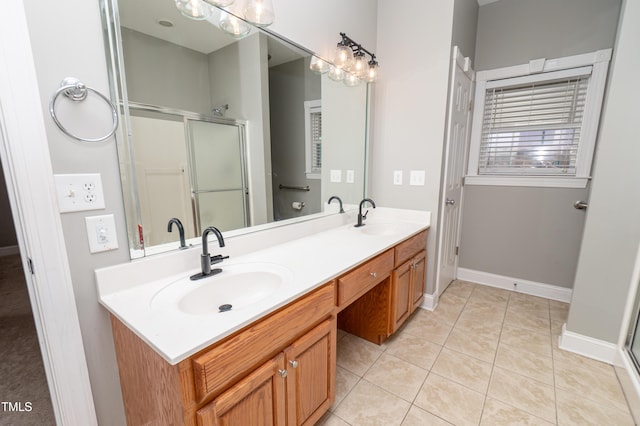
220, 110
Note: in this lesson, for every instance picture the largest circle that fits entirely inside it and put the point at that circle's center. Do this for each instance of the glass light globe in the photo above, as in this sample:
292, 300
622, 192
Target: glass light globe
318, 66
336, 73
343, 57
233, 25
360, 65
372, 71
351, 80
259, 12
194, 9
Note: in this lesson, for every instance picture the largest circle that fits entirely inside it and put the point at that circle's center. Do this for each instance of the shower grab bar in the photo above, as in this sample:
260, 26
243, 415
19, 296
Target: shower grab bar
77, 91
295, 188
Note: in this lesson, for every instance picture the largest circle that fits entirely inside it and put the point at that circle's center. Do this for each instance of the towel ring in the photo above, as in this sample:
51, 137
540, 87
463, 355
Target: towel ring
75, 90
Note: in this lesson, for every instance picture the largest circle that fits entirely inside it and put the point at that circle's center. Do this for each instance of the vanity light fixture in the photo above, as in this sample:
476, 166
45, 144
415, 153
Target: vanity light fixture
336, 73
259, 12
220, 3
232, 25
351, 57
194, 9
318, 65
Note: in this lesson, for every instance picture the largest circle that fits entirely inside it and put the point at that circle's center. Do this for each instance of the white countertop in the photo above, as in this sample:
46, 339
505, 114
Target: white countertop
309, 259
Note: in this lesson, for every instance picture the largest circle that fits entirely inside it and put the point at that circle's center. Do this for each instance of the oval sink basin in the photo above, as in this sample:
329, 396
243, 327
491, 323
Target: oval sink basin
236, 287
383, 228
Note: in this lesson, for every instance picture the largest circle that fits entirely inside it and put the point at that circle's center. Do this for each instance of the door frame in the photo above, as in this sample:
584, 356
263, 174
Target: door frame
457, 59
26, 161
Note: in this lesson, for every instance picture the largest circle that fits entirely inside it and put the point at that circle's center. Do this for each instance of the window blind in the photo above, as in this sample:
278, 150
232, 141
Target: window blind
316, 141
533, 127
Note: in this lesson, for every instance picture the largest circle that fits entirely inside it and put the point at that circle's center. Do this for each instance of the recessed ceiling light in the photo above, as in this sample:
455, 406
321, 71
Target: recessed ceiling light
165, 23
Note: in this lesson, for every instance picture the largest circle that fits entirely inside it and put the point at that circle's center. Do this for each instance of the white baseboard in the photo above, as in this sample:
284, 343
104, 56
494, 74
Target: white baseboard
9, 250
589, 347
533, 288
429, 302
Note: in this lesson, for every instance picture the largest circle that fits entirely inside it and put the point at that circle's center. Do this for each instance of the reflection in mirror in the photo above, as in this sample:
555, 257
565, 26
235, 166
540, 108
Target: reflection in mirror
226, 132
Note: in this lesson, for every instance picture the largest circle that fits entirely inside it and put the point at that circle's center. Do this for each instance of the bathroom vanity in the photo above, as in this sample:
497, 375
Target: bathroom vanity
271, 359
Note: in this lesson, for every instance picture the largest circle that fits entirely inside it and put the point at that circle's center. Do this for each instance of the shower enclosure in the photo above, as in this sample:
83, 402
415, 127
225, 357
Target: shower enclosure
188, 166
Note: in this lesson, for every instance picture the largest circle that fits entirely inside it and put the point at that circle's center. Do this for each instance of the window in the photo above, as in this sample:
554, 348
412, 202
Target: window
313, 138
537, 129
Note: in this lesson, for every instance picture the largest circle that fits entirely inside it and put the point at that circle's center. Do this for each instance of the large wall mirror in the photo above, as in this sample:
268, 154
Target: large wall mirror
224, 131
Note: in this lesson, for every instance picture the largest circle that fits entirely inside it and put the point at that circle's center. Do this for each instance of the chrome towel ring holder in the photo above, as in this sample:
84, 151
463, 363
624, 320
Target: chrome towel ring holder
77, 91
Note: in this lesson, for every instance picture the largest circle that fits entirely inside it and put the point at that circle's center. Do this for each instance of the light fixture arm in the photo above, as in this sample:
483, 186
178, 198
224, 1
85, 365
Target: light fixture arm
356, 47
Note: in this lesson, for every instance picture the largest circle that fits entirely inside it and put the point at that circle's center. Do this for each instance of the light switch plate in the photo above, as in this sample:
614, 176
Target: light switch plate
79, 192
351, 176
416, 177
336, 176
101, 231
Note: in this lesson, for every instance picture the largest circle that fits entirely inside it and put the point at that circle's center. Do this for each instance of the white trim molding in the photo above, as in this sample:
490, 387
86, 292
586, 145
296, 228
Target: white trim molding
518, 285
629, 379
589, 347
429, 302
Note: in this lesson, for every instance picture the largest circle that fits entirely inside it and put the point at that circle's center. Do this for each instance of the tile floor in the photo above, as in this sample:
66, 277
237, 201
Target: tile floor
485, 356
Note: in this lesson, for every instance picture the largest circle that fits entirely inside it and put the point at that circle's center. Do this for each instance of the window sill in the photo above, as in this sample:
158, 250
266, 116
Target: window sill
528, 181
313, 175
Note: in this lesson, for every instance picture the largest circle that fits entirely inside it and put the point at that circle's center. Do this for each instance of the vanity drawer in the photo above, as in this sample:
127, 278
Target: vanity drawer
360, 280
214, 370
407, 249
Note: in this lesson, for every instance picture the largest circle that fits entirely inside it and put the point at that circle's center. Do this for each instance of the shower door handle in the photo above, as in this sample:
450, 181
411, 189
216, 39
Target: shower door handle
580, 205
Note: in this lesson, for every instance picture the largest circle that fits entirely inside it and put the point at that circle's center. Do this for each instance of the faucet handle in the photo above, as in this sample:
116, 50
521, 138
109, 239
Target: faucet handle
364, 216
218, 258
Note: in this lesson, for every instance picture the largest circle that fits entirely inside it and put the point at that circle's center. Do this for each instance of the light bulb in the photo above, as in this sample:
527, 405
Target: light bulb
318, 66
344, 56
233, 25
194, 9
372, 71
351, 80
259, 12
336, 73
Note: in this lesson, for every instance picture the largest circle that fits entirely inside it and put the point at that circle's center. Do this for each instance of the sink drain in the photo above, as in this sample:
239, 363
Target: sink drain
224, 308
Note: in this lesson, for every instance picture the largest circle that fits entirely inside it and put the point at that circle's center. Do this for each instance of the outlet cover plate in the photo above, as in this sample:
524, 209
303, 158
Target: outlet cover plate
351, 176
416, 177
79, 192
335, 176
397, 177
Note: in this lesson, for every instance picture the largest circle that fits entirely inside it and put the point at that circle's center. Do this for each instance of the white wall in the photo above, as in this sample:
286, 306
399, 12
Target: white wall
612, 229
410, 106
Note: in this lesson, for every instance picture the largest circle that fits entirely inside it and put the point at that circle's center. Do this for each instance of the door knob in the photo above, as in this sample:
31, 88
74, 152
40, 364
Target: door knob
450, 202
580, 205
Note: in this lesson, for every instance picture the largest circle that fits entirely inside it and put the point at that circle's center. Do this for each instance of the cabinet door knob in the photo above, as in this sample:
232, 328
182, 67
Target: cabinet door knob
293, 363
373, 274
282, 373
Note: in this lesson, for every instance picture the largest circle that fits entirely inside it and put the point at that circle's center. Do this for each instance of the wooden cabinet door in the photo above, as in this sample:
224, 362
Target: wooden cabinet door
418, 279
311, 373
400, 294
258, 399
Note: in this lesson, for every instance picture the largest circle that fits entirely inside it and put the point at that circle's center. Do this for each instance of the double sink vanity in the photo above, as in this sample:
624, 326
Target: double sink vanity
256, 343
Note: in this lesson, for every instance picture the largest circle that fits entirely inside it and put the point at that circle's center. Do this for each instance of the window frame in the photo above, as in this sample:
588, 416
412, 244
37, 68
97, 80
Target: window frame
309, 108
534, 70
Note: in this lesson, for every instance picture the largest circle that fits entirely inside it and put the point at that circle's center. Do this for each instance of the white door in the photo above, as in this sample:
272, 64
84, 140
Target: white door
456, 148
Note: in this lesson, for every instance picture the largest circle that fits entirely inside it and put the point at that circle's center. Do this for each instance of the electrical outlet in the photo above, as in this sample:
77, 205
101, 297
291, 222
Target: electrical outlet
397, 177
101, 232
79, 192
335, 176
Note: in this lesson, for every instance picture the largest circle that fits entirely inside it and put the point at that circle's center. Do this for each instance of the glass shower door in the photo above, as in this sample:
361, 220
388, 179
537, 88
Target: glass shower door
218, 174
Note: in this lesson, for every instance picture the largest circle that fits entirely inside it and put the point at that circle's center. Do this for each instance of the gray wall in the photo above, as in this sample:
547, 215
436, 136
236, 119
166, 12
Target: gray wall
184, 78
291, 84
7, 233
540, 230
465, 25
515, 31
612, 229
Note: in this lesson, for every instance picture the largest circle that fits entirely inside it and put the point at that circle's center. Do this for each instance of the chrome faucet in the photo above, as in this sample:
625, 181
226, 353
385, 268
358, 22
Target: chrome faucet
206, 260
361, 216
335, 197
180, 230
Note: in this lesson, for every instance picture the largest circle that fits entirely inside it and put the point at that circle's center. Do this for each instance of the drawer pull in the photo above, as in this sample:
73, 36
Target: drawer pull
293, 363
373, 274
282, 373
